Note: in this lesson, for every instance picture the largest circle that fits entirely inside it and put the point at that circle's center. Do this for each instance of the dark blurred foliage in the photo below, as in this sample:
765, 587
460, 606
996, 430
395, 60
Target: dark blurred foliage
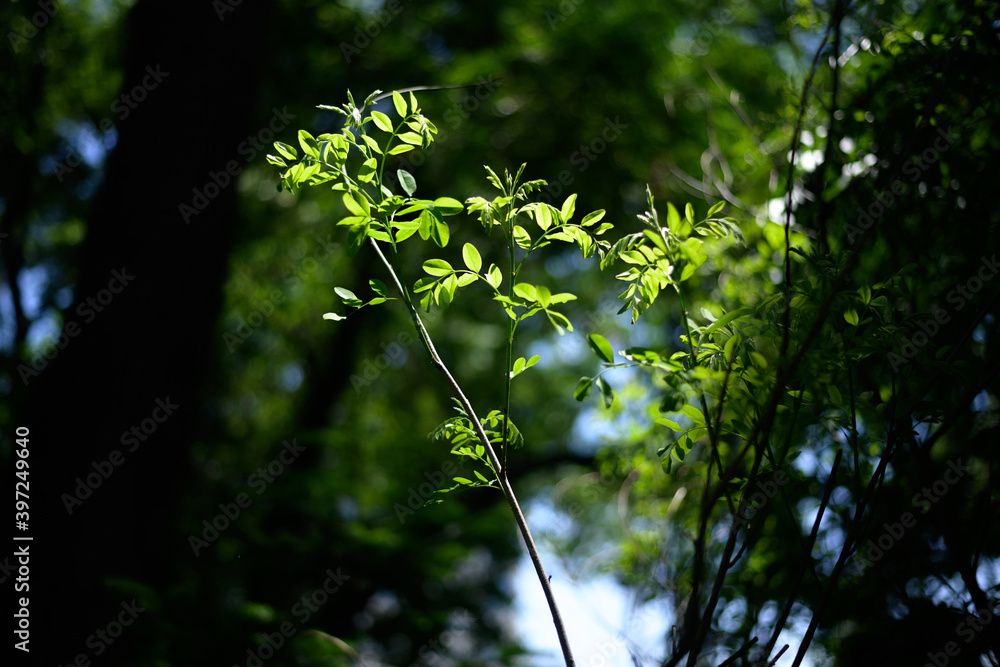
224, 314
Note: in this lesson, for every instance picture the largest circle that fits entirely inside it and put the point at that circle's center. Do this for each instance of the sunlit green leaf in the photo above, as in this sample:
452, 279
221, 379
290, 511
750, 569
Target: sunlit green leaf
592, 218
382, 121
694, 413
399, 103
308, 144
286, 151
521, 237
568, 208
438, 267
440, 233
601, 347
672, 425
448, 205
495, 276
525, 291
472, 259
357, 204
411, 138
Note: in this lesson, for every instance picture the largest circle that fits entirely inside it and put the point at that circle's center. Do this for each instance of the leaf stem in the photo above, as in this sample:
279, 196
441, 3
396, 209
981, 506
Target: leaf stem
508, 491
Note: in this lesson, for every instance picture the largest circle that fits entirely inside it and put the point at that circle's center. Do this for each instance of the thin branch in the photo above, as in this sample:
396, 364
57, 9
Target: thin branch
505, 486
743, 649
806, 556
845, 550
416, 88
791, 187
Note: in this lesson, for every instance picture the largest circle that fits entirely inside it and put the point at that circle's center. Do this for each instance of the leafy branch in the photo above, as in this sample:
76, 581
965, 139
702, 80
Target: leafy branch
386, 219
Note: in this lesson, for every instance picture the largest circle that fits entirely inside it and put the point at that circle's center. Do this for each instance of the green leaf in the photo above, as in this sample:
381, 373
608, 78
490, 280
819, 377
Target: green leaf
352, 220
426, 220
378, 287
276, 161
382, 121
426, 299
601, 347
521, 237
357, 204
494, 276
568, 208
562, 297
448, 206
372, 143
401, 148
667, 462
583, 388
286, 151
673, 220
689, 213
728, 350
405, 229
851, 316
367, 170
333, 316
656, 238
424, 284
308, 144
726, 319
672, 425
543, 216
440, 233
411, 138
683, 446
462, 480
438, 267
715, 209
399, 103
442, 296
472, 258
592, 218
696, 257
356, 236
406, 181
346, 294
480, 476
525, 291
543, 296
607, 393
694, 413
340, 148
